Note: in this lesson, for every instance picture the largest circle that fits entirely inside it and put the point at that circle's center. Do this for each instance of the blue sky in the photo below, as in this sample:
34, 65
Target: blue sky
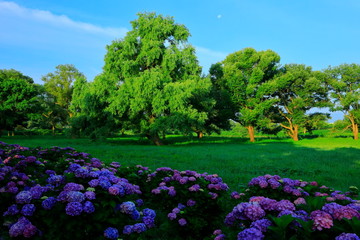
37, 35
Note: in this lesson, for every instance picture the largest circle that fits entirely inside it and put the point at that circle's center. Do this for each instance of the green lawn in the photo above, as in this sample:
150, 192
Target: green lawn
334, 162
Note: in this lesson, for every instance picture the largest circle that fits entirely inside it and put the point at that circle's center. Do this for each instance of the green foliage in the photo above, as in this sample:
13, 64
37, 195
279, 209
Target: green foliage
246, 76
156, 78
59, 86
344, 84
18, 99
298, 89
88, 107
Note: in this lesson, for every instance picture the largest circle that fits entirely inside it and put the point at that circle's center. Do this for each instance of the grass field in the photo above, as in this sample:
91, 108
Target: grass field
334, 162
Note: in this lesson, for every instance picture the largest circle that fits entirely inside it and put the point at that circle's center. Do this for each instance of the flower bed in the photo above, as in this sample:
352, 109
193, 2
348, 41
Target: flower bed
59, 193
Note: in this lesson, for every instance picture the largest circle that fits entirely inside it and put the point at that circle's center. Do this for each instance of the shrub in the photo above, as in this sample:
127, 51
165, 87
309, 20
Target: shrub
59, 193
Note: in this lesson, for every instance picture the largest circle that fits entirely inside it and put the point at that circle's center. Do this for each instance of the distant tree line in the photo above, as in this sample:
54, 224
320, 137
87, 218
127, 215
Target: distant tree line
152, 84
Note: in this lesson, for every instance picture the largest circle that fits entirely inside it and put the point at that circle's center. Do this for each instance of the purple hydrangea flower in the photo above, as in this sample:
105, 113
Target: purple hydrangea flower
37, 191
182, 222
111, 233
128, 229
347, 236
89, 207
23, 197
190, 203
250, 234
172, 216
29, 230
321, 220
90, 195
56, 180
28, 209
194, 188
49, 203
147, 212
254, 212
18, 228
148, 221
12, 210
284, 205
139, 202
330, 207
220, 237
139, 227
74, 208
75, 196
93, 183
261, 224
346, 212
135, 215
73, 187
104, 184
127, 207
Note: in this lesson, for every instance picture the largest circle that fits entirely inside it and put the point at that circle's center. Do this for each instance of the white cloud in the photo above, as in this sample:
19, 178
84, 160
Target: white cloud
35, 41
14, 10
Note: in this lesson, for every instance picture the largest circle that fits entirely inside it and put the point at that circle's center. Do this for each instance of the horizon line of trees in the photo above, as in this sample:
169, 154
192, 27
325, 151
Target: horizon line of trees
152, 84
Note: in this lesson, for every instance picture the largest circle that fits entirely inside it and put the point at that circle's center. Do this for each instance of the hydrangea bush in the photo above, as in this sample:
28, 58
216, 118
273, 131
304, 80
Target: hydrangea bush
59, 193
281, 208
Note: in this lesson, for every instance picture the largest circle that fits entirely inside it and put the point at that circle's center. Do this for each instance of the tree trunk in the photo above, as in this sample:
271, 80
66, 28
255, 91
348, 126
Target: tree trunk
155, 139
53, 130
251, 131
295, 133
355, 129
200, 134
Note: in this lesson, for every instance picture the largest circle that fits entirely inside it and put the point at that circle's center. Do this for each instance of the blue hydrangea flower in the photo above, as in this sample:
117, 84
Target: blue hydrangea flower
28, 209
139, 227
250, 234
127, 207
347, 236
73, 208
89, 207
49, 203
111, 233
148, 221
128, 229
23, 197
12, 210
149, 213
75, 196
73, 187
135, 215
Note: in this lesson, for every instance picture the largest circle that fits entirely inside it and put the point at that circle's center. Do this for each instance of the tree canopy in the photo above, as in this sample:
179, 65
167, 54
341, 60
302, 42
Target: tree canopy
298, 89
344, 86
18, 98
59, 84
156, 77
246, 73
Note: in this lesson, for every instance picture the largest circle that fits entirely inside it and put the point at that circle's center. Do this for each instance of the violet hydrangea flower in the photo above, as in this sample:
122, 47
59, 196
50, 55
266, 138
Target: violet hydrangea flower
23, 197
250, 234
49, 203
321, 220
111, 233
74, 208
347, 236
28, 209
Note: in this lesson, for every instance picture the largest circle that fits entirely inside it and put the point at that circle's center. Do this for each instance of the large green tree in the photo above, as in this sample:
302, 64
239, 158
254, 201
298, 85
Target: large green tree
246, 76
18, 99
344, 86
298, 89
157, 77
59, 85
